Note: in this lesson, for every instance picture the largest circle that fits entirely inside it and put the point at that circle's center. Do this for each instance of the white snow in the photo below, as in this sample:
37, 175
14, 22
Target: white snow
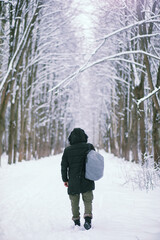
34, 204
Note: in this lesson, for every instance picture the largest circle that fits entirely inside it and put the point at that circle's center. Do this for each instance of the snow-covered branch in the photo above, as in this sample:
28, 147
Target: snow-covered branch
129, 26
148, 96
111, 57
145, 36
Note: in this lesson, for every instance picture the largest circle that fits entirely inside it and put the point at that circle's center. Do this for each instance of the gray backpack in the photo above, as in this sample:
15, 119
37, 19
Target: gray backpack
94, 166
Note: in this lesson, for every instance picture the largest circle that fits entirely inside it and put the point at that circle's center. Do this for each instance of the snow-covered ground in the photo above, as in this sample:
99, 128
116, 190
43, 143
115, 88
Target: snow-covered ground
34, 204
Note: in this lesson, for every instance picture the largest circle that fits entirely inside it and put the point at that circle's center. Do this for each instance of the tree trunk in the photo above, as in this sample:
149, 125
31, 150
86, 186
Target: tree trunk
134, 130
16, 132
125, 131
113, 129
156, 137
11, 133
3, 21
156, 127
57, 147
21, 144
142, 118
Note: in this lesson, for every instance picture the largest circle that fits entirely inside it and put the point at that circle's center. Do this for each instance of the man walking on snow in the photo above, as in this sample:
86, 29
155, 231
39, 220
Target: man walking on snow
73, 175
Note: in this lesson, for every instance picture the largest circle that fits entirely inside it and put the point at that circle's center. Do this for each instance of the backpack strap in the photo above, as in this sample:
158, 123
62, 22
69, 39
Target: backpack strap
83, 169
89, 148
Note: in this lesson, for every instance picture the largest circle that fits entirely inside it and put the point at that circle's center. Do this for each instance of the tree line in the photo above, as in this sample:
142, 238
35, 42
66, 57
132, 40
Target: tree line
40, 65
31, 43
134, 126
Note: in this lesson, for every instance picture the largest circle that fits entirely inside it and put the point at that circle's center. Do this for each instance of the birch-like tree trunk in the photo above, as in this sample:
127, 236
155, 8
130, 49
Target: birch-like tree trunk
156, 126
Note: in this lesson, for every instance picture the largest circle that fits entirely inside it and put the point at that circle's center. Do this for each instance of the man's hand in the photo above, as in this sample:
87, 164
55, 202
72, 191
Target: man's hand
66, 184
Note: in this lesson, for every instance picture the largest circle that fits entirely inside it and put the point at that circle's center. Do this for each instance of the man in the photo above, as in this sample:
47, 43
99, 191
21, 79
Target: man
73, 175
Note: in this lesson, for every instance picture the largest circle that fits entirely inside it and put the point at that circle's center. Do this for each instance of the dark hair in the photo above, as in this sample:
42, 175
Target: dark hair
77, 135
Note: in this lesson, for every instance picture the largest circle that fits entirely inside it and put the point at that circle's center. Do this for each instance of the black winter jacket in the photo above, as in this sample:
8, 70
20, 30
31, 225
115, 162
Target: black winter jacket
73, 163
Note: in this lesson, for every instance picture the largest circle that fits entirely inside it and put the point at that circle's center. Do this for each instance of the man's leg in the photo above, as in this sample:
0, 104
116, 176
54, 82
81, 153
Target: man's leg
75, 207
87, 199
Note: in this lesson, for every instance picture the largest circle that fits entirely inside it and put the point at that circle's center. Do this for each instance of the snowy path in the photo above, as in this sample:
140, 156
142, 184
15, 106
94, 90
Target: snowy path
34, 205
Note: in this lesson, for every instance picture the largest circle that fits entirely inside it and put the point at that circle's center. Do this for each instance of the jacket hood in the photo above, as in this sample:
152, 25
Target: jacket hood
77, 135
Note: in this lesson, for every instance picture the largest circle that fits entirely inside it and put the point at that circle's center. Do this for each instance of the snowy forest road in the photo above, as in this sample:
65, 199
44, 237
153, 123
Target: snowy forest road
35, 206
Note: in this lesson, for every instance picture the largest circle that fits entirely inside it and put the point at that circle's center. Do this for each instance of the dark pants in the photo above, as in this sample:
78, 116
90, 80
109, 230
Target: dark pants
87, 200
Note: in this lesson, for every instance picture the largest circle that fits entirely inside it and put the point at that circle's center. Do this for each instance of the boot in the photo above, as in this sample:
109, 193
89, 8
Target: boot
87, 224
77, 222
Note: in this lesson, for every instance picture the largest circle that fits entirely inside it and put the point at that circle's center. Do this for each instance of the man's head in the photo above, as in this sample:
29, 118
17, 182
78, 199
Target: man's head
77, 135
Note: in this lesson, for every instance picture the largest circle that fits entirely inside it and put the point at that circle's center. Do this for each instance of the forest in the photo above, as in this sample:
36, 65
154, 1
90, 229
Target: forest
90, 64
